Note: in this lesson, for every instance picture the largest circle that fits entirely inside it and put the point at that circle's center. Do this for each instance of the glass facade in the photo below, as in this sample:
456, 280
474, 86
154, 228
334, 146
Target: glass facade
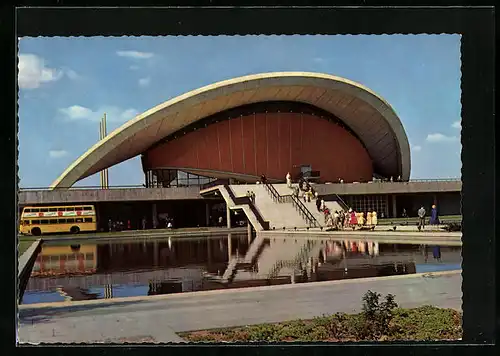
365, 203
166, 178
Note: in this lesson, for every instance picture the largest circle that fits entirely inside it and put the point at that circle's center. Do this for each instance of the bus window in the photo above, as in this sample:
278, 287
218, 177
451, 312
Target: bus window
35, 210
61, 221
27, 210
44, 221
78, 208
70, 209
60, 209
89, 256
52, 209
87, 208
35, 222
87, 220
78, 220
44, 210
70, 221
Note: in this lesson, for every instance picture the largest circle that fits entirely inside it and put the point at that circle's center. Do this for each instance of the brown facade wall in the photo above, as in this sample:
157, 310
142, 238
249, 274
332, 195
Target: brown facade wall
269, 143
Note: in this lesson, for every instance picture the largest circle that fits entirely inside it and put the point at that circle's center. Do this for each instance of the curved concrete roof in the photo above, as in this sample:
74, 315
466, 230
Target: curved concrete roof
366, 113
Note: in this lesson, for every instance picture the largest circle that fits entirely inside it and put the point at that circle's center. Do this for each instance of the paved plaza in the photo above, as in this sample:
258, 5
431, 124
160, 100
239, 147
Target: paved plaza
158, 318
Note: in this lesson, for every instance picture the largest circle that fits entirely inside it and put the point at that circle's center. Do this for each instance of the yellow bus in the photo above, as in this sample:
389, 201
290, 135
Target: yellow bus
38, 220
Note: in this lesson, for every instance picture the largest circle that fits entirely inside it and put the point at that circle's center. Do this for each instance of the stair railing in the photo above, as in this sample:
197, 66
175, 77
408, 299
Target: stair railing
251, 205
301, 208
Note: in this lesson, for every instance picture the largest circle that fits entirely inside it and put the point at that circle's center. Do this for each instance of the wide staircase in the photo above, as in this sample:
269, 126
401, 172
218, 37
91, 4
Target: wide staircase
282, 212
279, 258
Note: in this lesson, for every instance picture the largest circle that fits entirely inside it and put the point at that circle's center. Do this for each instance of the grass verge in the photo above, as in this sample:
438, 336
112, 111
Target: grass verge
379, 321
24, 244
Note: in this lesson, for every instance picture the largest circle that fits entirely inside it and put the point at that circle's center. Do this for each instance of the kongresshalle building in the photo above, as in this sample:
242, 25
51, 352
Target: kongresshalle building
325, 127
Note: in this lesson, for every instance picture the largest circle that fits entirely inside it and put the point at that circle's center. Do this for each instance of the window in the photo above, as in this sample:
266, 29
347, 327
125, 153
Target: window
87, 208
87, 219
45, 258
54, 258
89, 256
27, 210
52, 209
70, 209
44, 210
78, 208
44, 222
35, 222
60, 209
61, 221
35, 210
69, 221
78, 220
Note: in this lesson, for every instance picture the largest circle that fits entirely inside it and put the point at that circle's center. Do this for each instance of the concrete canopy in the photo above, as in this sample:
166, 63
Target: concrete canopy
366, 113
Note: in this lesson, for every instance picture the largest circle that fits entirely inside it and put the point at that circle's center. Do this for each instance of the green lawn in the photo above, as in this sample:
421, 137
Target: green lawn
379, 321
24, 243
414, 220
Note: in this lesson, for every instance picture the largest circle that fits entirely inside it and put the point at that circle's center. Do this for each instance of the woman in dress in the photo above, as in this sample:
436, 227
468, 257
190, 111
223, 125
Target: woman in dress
369, 219
374, 218
361, 219
353, 221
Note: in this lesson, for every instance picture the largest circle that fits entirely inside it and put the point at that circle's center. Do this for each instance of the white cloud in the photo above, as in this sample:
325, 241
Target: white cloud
144, 82
71, 74
318, 60
113, 113
57, 153
33, 72
457, 125
438, 137
417, 148
135, 54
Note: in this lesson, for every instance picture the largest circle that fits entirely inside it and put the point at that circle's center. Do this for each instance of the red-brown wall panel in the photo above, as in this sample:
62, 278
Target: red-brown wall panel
237, 145
248, 145
268, 143
261, 143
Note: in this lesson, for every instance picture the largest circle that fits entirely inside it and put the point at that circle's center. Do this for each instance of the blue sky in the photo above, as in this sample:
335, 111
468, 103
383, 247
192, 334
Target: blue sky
66, 84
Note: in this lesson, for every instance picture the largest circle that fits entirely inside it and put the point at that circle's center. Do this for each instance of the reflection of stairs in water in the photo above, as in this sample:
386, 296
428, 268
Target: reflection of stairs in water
75, 294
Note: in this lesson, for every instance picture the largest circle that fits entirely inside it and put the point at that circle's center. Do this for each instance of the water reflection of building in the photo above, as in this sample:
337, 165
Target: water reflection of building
65, 259
234, 261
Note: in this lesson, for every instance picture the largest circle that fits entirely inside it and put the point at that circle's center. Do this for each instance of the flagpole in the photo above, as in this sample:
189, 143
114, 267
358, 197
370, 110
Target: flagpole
106, 177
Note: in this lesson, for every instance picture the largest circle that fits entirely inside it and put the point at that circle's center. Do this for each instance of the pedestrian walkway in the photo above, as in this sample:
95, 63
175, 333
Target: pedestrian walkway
158, 318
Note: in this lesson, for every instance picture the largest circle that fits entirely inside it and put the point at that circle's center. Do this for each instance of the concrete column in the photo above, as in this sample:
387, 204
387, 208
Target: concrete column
394, 208
229, 246
154, 219
209, 252
228, 217
207, 214
249, 231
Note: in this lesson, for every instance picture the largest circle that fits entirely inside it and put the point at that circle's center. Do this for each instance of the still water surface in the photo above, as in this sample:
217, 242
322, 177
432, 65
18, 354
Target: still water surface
147, 267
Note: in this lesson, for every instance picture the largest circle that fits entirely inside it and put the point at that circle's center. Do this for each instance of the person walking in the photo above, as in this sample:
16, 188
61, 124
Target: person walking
421, 217
318, 204
263, 179
144, 223
322, 204
289, 180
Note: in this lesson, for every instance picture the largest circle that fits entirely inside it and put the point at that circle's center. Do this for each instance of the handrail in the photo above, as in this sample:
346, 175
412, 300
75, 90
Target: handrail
282, 263
306, 214
342, 203
247, 201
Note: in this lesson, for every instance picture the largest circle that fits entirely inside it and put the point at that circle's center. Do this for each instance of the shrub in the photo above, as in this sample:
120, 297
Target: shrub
376, 316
